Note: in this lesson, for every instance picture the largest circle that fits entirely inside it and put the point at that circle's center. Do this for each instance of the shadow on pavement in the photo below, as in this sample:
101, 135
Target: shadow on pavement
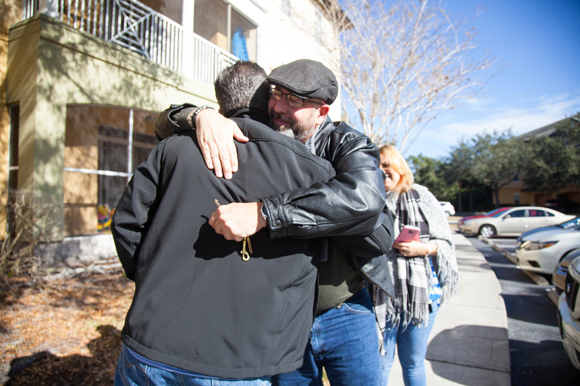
456, 353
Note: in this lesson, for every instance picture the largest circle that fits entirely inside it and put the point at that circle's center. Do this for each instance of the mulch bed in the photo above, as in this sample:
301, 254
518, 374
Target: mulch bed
64, 332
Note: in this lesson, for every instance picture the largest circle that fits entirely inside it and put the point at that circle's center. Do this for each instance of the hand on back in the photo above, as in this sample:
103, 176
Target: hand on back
216, 135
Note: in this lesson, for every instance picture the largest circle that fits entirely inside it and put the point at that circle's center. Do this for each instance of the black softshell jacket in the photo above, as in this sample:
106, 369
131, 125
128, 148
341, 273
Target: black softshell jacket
197, 305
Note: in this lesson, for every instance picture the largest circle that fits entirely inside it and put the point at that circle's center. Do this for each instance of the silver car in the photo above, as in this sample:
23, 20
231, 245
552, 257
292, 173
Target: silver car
514, 221
542, 251
569, 314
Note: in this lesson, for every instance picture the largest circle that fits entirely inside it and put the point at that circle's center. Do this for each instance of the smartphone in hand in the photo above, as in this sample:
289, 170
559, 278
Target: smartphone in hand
408, 234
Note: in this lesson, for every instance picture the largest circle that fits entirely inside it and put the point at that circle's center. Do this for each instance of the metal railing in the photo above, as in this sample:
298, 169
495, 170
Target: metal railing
141, 29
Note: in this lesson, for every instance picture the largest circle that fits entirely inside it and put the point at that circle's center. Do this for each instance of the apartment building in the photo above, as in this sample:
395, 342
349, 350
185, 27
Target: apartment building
517, 193
83, 80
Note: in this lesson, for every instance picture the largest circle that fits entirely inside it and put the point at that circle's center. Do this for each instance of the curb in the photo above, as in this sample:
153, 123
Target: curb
538, 279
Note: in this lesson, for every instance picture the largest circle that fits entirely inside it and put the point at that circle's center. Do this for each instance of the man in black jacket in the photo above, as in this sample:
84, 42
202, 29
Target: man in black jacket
343, 338
205, 307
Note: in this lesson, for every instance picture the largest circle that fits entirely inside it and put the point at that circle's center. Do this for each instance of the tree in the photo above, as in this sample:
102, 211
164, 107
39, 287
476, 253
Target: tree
460, 168
429, 172
554, 161
497, 159
402, 62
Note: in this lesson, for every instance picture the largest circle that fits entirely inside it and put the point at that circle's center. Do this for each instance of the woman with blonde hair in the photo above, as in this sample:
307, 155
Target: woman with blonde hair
424, 270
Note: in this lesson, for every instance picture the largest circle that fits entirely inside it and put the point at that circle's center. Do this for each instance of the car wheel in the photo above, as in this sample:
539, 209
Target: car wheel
487, 231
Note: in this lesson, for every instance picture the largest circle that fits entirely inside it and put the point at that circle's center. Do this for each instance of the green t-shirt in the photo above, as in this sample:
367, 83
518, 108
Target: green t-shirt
338, 279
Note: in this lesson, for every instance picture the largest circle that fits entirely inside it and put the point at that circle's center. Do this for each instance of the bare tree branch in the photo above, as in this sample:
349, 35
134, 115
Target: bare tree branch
402, 62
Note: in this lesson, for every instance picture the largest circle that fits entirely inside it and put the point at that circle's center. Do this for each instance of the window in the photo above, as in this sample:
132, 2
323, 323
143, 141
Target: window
244, 34
536, 213
103, 146
517, 213
13, 147
517, 198
239, 37
113, 157
516, 178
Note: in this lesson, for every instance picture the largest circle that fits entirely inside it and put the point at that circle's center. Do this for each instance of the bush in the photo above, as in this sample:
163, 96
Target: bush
28, 221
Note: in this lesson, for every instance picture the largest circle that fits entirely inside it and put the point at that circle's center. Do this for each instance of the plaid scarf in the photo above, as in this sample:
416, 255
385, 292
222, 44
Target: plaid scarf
410, 303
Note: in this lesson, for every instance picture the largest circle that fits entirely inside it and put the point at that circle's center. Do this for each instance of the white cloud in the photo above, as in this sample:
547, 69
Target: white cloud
539, 113
486, 115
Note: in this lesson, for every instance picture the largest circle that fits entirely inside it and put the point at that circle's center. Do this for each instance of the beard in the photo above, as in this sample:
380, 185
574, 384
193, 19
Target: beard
300, 131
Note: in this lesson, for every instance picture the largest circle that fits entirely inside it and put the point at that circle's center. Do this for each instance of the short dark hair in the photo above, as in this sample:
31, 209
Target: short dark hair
242, 85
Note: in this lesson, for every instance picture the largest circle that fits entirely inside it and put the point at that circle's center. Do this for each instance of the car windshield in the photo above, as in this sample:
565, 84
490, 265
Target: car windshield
575, 222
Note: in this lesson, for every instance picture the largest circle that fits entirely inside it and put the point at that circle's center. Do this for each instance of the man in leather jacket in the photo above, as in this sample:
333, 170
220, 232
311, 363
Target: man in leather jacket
343, 338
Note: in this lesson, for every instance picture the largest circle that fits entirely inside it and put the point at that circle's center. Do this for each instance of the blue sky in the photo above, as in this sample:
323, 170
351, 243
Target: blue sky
538, 41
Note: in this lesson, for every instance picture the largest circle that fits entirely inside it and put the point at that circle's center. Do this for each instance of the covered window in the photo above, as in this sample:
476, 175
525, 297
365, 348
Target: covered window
103, 146
225, 27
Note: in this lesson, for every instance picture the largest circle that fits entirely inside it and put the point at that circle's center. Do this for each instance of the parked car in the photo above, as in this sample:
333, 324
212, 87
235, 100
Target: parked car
564, 205
513, 222
565, 225
448, 208
569, 314
488, 214
542, 251
559, 275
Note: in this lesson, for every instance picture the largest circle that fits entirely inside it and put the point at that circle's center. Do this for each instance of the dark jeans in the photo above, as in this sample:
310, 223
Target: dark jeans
344, 340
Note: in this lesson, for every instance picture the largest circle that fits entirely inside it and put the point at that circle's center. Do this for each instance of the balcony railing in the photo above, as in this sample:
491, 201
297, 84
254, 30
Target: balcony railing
141, 29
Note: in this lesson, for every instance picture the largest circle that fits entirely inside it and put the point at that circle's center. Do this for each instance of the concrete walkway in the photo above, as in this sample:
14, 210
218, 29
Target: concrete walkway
469, 342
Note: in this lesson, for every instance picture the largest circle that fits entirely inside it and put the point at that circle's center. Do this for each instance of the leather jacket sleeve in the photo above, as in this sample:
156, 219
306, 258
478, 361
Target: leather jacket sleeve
349, 204
173, 120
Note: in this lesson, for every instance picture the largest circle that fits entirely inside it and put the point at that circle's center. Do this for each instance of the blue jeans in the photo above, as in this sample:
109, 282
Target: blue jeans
132, 372
411, 344
344, 340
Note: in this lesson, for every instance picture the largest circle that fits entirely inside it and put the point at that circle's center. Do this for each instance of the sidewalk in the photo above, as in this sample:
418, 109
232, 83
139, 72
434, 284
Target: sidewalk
469, 342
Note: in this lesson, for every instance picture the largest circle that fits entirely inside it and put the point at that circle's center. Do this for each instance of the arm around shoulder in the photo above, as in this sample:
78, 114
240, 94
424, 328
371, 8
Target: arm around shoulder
349, 204
173, 120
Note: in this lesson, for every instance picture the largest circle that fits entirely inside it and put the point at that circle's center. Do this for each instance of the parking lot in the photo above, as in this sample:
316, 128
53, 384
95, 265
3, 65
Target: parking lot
536, 351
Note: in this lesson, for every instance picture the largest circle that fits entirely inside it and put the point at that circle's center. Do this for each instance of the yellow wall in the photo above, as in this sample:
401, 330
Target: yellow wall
10, 13
506, 194
50, 66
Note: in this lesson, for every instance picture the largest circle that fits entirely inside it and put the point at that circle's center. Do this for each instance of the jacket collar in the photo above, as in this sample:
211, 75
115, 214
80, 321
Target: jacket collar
252, 113
319, 135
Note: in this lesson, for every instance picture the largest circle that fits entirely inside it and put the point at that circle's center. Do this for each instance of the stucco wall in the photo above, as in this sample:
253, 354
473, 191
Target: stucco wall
51, 65
303, 34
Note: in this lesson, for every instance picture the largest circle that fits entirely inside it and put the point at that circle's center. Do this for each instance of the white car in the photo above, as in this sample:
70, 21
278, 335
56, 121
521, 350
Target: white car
569, 314
542, 251
448, 208
514, 221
